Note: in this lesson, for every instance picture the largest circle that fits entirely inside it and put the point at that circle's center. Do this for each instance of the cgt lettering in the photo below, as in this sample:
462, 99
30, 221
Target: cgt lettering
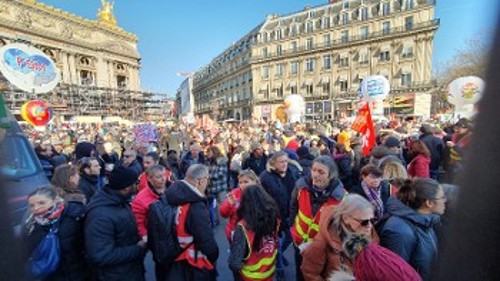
33, 65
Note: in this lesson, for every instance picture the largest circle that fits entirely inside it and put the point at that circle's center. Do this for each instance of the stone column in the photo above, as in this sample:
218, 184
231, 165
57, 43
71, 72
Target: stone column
74, 77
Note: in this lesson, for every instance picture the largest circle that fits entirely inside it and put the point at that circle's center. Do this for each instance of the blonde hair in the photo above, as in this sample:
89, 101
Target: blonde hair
249, 174
393, 170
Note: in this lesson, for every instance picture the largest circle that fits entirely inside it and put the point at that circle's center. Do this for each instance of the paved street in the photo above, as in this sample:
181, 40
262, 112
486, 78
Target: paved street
224, 272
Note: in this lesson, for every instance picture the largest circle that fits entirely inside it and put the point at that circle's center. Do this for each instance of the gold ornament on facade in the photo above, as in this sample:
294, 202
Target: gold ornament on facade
105, 14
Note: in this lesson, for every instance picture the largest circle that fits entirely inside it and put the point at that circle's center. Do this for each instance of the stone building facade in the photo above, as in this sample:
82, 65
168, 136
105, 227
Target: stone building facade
322, 53
98, 60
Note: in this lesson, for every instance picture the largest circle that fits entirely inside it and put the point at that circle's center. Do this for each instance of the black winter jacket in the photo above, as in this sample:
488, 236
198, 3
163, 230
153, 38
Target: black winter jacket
198, 219
111, 238
280, 188
72, 266
436, 148
88, 185
258, 165
306, 164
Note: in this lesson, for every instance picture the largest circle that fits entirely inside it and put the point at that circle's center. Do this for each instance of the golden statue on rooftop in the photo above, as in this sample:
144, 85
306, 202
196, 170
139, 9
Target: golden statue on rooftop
105, 14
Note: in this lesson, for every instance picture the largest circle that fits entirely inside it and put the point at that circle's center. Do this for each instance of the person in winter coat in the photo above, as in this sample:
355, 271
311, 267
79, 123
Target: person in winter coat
409, 230
235, 165
421, 159
253, 250
310, 197
114, 249
130, 161
374, 189
149, 160
199, 260
156, 186
436, 149
194, 156
305, 160
217, 187
66, 181
326, 254
279, 181
343, 159
45, 157
257, 159
45, 209
173, 164
229, 207
89, 169
372, 262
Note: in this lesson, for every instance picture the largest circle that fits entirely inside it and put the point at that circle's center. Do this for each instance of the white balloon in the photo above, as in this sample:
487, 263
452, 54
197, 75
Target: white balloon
465, 90
294, 107
375, 87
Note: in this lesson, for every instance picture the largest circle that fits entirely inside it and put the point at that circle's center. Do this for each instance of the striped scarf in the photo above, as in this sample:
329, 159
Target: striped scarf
374, 198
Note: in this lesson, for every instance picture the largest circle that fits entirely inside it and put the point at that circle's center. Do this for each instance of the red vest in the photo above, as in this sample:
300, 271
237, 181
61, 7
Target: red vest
194, 258
259, 265
306, 225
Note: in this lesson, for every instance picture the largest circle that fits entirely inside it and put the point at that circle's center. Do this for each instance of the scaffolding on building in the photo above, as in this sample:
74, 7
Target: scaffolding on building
69, 100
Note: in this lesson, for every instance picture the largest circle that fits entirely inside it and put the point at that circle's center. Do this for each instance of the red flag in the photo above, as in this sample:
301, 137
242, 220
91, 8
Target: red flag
360, 123
364, 125
369, 138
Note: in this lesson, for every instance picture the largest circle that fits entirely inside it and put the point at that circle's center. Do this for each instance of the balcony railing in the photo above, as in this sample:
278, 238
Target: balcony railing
352, 39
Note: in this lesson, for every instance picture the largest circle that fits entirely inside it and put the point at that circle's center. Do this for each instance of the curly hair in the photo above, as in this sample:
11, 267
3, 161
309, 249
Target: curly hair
260, 212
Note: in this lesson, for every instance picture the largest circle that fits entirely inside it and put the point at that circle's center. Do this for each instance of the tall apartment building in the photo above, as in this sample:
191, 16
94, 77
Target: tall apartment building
321, 53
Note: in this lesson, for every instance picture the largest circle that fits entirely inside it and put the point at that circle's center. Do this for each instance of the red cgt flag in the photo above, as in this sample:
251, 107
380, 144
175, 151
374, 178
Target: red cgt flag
364, 125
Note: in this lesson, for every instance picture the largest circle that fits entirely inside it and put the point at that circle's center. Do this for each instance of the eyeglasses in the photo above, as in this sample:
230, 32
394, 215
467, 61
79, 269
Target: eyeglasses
365, 223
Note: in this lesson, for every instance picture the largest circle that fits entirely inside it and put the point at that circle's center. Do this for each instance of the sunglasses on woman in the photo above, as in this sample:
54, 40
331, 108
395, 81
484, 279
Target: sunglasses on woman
364, 223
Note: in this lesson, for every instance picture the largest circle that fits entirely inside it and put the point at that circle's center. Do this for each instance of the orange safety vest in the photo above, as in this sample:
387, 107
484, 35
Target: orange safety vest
194, 258
306, 226
259, 265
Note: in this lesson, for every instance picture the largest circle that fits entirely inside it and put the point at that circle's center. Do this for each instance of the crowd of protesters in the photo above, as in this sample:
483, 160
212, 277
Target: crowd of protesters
302, 185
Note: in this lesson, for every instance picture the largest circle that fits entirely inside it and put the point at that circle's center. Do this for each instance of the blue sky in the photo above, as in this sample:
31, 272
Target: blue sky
185, 35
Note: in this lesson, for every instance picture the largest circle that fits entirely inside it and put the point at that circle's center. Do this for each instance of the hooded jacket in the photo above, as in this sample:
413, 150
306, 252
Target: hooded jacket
111, 238
325, 254
198, 219
411, 235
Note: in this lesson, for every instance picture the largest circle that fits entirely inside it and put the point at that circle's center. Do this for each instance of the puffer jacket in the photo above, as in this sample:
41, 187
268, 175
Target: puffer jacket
325, 254
411, 235
111, 238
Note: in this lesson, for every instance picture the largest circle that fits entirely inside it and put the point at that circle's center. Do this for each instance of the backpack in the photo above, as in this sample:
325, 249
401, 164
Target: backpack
45, 259
162, 235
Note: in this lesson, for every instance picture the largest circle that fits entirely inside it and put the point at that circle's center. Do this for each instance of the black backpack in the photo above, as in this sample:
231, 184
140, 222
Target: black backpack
162, 234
